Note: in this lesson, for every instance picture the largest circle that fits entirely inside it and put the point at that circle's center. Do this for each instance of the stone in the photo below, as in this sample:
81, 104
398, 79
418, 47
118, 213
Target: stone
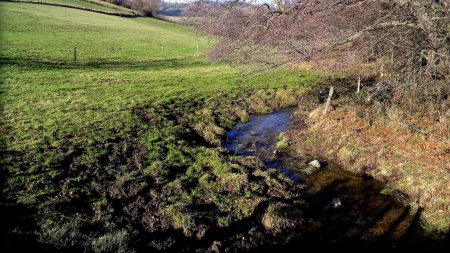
315, 164
335, 203
215, 247
201, 232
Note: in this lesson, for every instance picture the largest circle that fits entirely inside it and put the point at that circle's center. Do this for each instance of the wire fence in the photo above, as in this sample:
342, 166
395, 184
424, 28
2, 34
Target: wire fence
85, 55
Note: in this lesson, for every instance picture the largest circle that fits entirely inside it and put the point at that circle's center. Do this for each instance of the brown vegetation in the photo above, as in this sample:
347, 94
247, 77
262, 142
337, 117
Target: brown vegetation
145, 7
409, 40
397, 128
410, 154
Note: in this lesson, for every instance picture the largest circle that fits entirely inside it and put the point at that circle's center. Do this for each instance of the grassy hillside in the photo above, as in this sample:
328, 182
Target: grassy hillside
87, 4
119, 66
125, 142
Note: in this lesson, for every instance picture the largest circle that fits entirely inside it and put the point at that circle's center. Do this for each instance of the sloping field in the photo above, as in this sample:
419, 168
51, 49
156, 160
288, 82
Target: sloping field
94, 5
123, 145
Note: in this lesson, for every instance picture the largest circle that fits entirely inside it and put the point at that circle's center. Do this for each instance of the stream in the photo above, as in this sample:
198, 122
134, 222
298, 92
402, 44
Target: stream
343, 208
258, 137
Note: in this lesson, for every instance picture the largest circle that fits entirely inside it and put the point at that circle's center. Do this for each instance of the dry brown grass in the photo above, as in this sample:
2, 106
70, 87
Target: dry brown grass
410, 153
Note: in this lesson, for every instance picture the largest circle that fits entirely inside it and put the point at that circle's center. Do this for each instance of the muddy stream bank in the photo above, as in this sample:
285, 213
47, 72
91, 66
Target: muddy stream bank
343, 209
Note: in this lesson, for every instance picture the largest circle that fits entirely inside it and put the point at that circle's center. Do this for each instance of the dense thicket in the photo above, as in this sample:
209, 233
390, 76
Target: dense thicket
145, 7
406, 42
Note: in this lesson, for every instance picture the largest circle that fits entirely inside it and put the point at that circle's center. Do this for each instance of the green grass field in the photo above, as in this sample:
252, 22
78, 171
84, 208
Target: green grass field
88, 4
119, 67
128, 125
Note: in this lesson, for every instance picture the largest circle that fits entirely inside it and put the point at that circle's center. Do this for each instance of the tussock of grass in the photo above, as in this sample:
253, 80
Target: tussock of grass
282, 141
281, 217
116, 242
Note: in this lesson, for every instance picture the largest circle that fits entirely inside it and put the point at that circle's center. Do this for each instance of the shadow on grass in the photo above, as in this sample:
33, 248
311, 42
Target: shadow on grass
15, 219
343, 212
365, 220
348, 212
150, 64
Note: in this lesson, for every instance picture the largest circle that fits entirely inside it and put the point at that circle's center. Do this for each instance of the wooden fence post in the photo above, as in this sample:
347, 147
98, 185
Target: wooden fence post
392, 56
359, 85
75, 55
330, 95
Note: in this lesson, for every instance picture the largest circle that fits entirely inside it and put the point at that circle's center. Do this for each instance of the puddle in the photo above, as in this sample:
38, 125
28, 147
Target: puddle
343, 208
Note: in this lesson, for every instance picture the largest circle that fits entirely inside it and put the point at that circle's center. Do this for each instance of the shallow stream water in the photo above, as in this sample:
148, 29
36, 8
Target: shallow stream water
258, 137
343, 208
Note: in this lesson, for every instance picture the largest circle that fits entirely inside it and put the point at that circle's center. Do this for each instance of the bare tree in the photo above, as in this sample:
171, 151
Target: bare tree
145, 7
409, 37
